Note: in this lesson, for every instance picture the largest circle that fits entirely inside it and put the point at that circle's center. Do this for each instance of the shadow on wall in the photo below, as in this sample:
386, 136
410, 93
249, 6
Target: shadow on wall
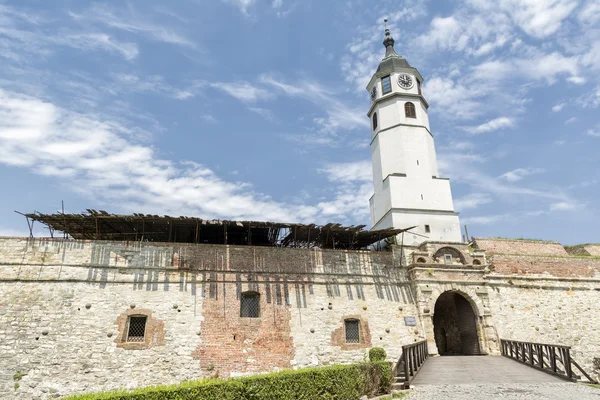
274, 286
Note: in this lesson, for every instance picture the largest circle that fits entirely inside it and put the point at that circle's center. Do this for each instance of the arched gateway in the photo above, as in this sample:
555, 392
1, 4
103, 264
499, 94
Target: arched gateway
455, 325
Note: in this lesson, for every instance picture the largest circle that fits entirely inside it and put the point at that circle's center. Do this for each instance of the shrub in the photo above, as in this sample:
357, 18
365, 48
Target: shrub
340, 382
377, 354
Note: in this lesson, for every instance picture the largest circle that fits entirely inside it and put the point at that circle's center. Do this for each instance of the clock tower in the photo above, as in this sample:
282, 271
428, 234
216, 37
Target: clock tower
408, 189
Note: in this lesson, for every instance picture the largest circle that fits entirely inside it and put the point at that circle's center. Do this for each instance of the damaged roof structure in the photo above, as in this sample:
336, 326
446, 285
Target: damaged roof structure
100, 225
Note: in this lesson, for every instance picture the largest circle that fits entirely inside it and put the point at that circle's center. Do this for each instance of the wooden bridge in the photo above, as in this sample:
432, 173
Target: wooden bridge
521, 362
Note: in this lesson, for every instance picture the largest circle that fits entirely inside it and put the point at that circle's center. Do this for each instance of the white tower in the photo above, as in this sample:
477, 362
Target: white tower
408, 189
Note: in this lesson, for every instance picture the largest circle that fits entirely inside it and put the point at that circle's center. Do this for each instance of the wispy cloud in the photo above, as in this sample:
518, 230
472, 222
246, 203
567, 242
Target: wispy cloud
518, 174
492, 125
339, 115
242, 5
472, 200
593, 132
564, 206
131, 20
243, 91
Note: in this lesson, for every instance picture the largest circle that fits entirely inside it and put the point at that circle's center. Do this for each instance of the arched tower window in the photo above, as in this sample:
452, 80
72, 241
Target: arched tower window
374, 121
409, 110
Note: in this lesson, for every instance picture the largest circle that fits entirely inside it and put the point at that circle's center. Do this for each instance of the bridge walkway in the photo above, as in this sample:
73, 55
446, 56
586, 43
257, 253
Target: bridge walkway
456, 370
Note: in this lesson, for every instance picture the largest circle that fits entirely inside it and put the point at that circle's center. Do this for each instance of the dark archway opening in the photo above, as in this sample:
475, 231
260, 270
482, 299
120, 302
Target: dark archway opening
455, 325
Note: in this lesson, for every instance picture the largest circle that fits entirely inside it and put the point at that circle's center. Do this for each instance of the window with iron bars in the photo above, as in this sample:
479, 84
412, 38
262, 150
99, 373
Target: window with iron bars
136, 330
250, 305
352, 331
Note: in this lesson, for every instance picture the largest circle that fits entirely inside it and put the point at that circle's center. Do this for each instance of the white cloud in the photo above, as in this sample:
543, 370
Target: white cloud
563, 206
277, 3
128, 19
360, 171
518, 174
93, 41
492, 125
484, 219
209, 118
589, 14
538, 18
558, 107
472, 200
243, 91
339, 116
263, 112
570, 120
593, 132
101, 159
242, 5
457, 100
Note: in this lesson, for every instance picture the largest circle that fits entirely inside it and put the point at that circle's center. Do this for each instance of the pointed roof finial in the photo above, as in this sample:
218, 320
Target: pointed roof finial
388, 41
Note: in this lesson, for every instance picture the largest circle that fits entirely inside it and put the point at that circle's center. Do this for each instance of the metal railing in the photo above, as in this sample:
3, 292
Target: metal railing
551, 358
410, 362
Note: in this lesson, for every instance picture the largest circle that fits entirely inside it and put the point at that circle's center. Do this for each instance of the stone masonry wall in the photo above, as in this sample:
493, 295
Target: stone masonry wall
550, 311
546, 297
513, 246
63, 307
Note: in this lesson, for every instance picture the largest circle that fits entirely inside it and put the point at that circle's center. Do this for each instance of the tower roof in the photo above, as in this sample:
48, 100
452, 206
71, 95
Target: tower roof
391, 60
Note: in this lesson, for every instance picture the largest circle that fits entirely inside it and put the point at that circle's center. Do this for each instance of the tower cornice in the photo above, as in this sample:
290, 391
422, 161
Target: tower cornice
388, 71
394, 95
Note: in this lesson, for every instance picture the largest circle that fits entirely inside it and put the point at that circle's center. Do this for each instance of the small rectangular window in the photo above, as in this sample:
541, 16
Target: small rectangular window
352, 331
250, 305
386, 84
427, 229
448, 258
419, 86
136, 332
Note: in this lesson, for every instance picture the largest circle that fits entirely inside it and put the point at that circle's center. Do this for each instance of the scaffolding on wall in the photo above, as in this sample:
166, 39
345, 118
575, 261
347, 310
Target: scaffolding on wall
100, 225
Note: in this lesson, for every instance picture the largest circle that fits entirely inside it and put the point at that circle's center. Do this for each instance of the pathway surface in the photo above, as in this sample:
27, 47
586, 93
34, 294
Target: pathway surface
490, 377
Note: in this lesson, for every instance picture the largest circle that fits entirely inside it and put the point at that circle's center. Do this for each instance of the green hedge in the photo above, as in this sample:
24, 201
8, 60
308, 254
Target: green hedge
340, 382
377, 354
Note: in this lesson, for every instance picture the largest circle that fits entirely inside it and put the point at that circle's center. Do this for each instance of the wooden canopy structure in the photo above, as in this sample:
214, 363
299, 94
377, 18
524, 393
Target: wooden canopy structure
100, 225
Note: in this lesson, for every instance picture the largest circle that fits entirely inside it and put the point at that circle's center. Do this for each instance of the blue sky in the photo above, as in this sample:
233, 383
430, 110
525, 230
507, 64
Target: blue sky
250, 109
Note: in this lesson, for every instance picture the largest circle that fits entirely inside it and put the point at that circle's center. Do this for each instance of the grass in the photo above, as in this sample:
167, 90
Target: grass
594, 386
395, 395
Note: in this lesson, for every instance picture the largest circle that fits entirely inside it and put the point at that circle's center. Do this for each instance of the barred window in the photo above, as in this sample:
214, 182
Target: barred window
374, 121
352, 331
409, 110
136, 330
250, 305
386, 84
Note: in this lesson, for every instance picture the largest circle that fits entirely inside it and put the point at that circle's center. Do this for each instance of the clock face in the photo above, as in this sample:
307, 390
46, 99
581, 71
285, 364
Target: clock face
405, 81
374, 93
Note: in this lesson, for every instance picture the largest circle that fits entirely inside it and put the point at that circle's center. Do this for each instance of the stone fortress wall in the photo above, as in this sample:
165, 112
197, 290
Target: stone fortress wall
64, 306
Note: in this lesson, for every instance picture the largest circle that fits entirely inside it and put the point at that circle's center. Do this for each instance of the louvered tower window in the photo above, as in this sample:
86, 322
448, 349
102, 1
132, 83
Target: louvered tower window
386, 84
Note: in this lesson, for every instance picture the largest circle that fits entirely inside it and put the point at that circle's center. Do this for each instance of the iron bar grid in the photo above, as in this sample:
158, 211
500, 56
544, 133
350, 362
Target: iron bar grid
250, 305
352, 331
137, 329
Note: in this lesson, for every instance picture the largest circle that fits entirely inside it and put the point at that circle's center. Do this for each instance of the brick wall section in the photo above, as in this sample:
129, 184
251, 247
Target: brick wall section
239, 346
581, 267
525, 247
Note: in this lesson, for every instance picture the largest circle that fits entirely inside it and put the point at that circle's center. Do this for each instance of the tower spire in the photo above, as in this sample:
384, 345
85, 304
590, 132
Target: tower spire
388, 42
